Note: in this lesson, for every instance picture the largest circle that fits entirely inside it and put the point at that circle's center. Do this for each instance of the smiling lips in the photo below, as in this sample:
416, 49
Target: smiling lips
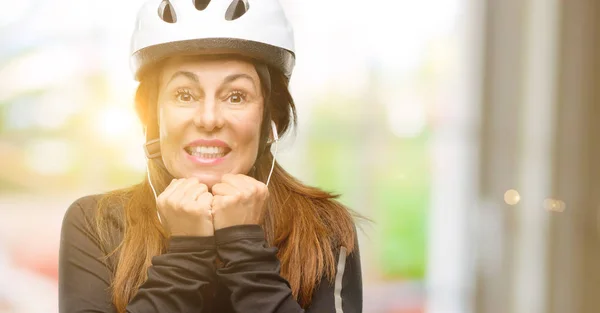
207, 151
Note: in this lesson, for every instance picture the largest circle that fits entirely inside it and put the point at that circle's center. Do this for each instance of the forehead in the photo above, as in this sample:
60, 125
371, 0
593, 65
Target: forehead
208, 65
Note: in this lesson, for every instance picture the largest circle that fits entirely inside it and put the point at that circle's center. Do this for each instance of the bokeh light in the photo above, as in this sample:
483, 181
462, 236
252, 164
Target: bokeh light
554, 205
512, 197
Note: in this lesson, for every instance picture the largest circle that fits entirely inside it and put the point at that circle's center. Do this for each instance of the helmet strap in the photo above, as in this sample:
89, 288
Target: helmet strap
152, 145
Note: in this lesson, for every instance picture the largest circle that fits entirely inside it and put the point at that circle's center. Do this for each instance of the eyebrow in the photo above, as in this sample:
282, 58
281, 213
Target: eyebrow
234, 77
193, 77
189, 75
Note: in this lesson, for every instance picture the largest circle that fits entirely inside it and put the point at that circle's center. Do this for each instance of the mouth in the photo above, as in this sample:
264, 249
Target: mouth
207, 152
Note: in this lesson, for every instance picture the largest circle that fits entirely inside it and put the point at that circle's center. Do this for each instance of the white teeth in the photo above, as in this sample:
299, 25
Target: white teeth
207, 150
208, 156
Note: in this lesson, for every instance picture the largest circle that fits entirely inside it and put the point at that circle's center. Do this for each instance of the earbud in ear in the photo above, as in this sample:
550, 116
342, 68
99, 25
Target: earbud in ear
276, 141
274, 129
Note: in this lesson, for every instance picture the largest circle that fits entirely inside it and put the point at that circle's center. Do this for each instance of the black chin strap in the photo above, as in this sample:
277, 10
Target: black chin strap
152, 145
152, 148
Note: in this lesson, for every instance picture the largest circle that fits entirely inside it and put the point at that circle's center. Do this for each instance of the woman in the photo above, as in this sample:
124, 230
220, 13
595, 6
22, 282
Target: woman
204, 232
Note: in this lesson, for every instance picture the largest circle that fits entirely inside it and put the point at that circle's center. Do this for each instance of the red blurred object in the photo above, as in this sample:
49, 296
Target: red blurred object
39, 257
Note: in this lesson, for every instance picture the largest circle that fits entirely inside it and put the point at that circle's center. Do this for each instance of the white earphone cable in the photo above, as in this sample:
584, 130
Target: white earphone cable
272, 163
153, 190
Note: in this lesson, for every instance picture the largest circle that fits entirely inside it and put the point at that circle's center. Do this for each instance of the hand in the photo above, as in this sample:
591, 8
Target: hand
184, 208
238, 200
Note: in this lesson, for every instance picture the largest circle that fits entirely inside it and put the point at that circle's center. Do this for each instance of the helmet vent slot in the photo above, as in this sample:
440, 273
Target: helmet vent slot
166, 12
236, 9
201, 4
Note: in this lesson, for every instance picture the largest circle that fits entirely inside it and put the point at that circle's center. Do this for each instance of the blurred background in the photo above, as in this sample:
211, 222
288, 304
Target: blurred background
466, 129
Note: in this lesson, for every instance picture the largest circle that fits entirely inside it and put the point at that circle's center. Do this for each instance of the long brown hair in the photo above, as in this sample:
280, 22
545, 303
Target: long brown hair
305, 223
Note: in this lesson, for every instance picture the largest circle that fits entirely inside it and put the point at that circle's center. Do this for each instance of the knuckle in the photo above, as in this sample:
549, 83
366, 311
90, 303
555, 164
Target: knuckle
177, 205
253, 189
184, 203
263, 187
191, 210
204, 202
238, 195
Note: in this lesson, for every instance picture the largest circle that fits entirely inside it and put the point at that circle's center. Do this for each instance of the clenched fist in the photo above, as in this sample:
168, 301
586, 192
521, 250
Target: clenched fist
184, 208
238, 200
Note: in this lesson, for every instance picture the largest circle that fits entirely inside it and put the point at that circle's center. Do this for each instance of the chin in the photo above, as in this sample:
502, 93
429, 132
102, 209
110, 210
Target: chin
209, 179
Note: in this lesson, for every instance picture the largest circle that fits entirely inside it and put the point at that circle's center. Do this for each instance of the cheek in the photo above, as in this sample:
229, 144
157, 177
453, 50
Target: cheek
163, 124
171, 128
247, 130
252, 137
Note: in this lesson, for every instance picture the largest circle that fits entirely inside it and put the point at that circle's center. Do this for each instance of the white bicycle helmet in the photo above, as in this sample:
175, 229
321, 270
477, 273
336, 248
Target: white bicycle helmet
257, 29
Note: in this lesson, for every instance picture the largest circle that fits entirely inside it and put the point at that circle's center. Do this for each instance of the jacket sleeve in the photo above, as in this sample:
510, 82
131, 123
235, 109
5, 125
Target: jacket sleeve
251, 272
345, 294
174, 278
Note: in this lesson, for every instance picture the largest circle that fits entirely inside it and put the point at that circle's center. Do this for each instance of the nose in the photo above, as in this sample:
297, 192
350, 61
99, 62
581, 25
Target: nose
209, 116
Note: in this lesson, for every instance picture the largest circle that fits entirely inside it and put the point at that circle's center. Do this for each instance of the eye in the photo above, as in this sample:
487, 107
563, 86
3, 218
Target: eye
236, 97
184, 96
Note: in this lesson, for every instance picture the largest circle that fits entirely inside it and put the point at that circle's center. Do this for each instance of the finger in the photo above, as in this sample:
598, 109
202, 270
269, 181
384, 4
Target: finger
231, 179
249, 179
220, 202
248, 186
191, 195
227, 177
171, 188
224, 189
257, 186
205, 198
165, 197
182, 192
238, 182
205, 201
194, 191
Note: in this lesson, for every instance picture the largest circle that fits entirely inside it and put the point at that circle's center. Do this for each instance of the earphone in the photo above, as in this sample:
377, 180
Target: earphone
153, 190
274, 129
276, 141
148, 157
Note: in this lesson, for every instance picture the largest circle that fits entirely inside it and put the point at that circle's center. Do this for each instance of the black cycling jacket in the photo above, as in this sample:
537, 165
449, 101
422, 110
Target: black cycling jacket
185, 279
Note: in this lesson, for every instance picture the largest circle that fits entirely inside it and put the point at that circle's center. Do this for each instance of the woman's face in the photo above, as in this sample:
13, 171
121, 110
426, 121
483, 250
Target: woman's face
210, 112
